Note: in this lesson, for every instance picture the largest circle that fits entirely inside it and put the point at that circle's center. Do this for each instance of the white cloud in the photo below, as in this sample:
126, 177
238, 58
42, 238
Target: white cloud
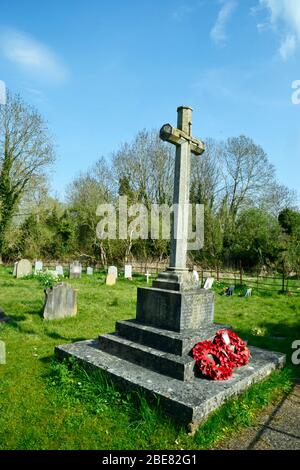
285, 18
218, 32
31, 55
288, 46
181, 12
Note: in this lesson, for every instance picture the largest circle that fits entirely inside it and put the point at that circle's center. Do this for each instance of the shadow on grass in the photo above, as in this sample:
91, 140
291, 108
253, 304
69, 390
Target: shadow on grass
55, 335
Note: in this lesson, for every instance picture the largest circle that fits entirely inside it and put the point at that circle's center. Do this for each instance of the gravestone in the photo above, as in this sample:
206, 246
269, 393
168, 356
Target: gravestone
38, 266
2, 353
110, 280
148, 275
15, 268
24, 268
128, 271
60, 302
248, 293
113, 270
75, 270
60, 270
195, 278
230, 291
89, 271
208, 283
153, 352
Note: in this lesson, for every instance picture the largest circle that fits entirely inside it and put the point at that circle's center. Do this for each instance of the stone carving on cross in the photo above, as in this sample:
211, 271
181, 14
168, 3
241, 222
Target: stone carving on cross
185, 144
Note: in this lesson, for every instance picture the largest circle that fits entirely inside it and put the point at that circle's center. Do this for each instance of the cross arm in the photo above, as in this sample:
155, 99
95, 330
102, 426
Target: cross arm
176, 136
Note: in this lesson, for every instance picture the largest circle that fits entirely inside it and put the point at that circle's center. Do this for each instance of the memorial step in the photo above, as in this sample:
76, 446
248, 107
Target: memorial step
178, 367
165, 340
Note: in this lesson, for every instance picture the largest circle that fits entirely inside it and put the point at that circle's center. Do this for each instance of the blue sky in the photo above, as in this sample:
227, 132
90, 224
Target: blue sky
99, 71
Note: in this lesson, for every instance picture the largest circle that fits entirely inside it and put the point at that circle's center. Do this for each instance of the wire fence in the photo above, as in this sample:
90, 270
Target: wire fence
238, 278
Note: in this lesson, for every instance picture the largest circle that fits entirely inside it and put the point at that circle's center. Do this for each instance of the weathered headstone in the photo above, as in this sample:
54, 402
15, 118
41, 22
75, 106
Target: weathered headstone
208, 283
15, 268
128, 271
113, 270
75, 270
153, 352
38, 266
60, 270
24, 268
89, 271
2, 353
110, 280
60, 302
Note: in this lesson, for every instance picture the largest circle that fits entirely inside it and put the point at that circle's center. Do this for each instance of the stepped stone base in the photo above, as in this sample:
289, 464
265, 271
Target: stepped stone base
162, 351
189, 402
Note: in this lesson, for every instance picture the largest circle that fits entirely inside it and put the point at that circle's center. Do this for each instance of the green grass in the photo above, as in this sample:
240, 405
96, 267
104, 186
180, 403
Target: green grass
48, 405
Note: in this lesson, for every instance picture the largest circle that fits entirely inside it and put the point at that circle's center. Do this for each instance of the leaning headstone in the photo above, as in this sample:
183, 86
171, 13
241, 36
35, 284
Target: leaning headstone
208, 283
128, 271
113, 270
2, 353
89, 271
24, 268
110, 280
15, 268
60, 270
75, 270
38, 267
60, 302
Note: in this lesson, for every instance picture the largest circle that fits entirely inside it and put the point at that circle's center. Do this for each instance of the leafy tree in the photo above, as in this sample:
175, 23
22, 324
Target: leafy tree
25, 152
289, 220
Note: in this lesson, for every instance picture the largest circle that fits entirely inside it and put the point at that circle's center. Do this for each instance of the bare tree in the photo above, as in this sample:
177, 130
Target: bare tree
206, 178
25, 152
84, 194
148, 164
247, 173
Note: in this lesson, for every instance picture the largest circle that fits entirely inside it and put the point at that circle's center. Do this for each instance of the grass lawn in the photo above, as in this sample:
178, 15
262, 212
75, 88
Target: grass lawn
46, 405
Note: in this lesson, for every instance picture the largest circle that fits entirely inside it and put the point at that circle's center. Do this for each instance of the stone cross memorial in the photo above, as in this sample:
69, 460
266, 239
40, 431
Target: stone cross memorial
153, 352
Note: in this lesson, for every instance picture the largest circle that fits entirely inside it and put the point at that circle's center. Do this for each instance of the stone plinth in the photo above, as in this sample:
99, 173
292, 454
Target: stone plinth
189, 402
175, 310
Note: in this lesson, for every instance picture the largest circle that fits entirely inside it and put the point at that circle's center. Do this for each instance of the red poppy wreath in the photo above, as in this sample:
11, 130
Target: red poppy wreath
212, 361
235, 348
